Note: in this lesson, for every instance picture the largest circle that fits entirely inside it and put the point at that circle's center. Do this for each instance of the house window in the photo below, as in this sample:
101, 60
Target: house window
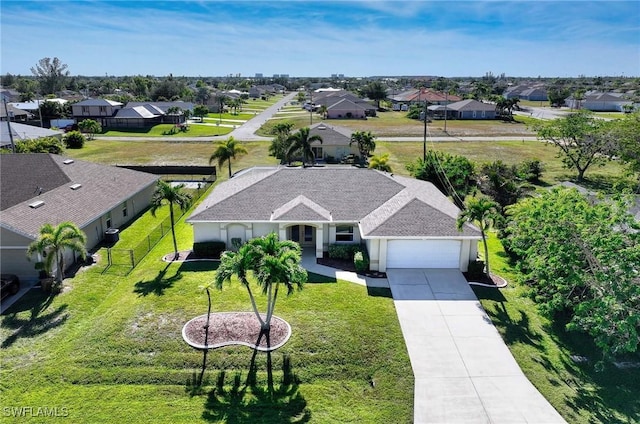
344, 233
124, 210
85, 110
317, 152
108, 219
103, 110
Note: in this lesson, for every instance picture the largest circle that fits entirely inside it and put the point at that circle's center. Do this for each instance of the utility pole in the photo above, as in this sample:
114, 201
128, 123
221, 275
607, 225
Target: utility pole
424, 140
446, 102
6, 110
310, 107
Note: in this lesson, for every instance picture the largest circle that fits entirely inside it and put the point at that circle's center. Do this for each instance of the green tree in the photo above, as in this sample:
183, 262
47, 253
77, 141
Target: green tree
272, 263
74, 140
300, 143
501, 182
366, 144
323, 110
301, 97
626, 132
375, 91
53, 241
453, 175
51, 74
280, 143
380, 162
227, 150
581, 140
40, 145
482, 212
91, 127
200, 111
166, 193
580, 259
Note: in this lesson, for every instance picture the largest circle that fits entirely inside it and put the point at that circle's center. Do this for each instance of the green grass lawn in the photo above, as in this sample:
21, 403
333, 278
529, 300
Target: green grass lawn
543, 350
109, 349
242, 116
165, 130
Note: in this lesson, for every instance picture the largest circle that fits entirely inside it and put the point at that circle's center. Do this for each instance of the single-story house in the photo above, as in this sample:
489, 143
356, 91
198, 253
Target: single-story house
415, 96
471, 109
24, 132
599, 102
535, 93
404, 222
42, 188
346, 109
335, 142
14, 114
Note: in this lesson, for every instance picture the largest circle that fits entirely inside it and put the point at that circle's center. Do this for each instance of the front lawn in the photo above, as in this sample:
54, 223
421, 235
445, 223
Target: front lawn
168, 130
109, 350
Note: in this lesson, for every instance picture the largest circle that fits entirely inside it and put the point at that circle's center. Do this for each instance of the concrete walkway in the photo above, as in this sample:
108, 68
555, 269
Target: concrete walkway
310, 264
464, 372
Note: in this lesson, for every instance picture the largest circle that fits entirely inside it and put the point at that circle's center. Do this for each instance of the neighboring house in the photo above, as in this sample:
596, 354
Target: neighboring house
331, 97
15, 114
24, 132
41, 188
346, 109
164, 106
599, 102
335, 142
34, 106
471, 109
9, 95
534, 93
258, 91
415, 96
97, 109
404, 222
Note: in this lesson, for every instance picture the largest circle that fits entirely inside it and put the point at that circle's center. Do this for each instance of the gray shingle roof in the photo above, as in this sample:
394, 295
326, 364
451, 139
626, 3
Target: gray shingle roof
331, 135
103, 188
471, 104
383, 204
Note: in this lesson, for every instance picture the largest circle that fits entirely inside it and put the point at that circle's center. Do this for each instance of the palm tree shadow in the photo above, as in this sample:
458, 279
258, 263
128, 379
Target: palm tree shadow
38, 322
254, 401
158, 285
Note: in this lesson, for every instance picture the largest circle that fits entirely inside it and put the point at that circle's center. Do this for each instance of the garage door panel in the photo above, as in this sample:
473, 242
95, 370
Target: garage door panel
423, 253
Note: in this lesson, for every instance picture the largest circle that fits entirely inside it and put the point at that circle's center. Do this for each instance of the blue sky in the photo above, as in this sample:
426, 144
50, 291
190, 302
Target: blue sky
304, 38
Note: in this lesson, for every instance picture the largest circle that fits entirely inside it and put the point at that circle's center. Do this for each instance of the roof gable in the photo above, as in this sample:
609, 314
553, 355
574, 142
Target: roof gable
301, 209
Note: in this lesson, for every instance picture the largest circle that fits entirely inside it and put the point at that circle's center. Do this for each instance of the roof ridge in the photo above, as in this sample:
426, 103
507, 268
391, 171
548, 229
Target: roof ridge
300, 200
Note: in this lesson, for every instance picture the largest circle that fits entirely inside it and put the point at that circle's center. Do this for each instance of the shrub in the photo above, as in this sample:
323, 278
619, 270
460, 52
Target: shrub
361, 261
40, 145
209, 249
531, 170
343, 251
74, 140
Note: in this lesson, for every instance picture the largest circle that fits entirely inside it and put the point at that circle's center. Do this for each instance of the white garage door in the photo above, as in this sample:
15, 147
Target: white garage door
423, 253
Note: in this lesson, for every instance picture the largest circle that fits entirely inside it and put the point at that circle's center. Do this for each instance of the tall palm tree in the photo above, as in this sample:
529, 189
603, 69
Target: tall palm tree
272, 263
482, 212
301, 141
166, 193
227, 150
322, 110
53, 241
366, 144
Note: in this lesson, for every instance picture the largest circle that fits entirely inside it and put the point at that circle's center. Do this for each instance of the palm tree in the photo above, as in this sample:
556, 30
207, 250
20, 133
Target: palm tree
227, 150
482, 212
166, 193
301, 142
366, 144
54, 240
322, 110
271, 262
379, 162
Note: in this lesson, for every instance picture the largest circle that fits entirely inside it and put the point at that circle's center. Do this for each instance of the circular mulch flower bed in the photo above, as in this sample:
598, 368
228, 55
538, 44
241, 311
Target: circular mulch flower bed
235, 328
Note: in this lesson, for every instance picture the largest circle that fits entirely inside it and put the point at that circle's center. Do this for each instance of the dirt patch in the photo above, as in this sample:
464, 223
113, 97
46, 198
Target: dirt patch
184, 256
228, 328
490, 280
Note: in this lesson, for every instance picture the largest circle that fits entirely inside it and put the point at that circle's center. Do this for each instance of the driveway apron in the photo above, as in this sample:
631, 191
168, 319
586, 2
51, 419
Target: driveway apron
464, 372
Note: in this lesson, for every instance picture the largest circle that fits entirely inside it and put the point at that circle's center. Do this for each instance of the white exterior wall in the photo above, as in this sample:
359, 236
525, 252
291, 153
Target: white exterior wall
262, 229
206, 231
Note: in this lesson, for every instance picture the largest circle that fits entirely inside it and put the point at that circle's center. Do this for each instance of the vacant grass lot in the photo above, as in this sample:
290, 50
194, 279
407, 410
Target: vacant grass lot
109, 350
165, 130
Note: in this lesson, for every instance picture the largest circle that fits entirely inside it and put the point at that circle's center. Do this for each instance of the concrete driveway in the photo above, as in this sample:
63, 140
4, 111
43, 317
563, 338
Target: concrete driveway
464, 372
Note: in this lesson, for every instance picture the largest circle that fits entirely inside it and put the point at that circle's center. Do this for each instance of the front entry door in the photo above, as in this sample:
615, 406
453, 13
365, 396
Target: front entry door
303, 234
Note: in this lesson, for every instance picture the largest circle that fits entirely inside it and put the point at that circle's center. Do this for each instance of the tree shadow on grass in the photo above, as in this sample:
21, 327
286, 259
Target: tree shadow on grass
514, 327
38, 322
257, 401
158, 285
609, 395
